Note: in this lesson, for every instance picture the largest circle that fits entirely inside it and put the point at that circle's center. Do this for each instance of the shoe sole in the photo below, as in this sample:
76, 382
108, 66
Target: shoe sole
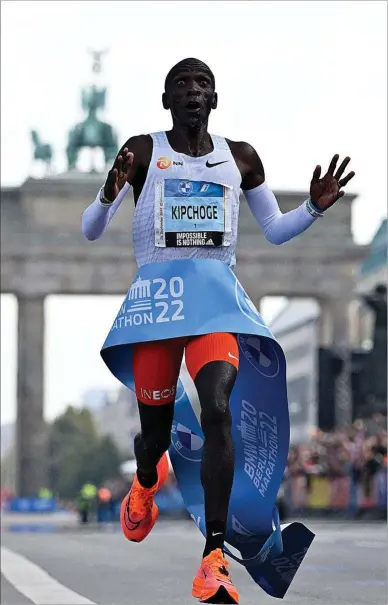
155, 515
144, 527
221, 596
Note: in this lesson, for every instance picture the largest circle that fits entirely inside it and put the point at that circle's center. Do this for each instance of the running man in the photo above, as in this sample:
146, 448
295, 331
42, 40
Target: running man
189, 153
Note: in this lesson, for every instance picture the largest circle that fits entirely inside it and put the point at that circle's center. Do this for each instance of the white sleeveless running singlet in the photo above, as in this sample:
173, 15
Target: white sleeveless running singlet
189, 206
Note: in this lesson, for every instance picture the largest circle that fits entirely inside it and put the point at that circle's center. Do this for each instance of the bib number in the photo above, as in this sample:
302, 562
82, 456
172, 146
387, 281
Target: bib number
192, 213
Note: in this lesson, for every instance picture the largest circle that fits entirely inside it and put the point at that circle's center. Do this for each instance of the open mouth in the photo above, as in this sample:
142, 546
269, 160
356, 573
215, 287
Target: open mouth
193, 106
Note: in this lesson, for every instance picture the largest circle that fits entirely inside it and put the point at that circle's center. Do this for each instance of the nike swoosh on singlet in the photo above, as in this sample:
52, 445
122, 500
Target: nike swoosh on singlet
208, 165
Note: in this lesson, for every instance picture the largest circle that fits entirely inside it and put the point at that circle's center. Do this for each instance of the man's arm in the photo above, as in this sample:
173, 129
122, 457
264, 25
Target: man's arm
249, 164
278, 227
129, 168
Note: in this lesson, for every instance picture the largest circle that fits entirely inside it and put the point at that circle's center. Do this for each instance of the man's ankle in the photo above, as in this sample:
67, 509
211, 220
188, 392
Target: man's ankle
147, 480
215, 536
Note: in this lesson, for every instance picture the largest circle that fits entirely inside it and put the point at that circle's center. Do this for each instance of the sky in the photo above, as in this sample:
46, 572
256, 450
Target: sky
300, 81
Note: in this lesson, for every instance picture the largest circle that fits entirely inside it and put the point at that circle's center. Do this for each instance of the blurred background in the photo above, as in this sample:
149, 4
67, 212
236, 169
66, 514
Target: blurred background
299, 81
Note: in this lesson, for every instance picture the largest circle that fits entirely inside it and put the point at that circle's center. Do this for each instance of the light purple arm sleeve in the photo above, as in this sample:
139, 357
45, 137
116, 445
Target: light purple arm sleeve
277, 227
97, 216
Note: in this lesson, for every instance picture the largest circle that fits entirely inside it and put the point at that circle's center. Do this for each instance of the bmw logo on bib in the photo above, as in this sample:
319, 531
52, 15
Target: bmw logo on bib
187, 443
185, 187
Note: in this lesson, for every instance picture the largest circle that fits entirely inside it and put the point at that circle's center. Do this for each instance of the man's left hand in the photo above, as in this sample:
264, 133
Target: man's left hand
324, 192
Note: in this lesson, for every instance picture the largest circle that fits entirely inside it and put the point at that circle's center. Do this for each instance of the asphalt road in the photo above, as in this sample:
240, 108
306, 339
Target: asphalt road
346, 565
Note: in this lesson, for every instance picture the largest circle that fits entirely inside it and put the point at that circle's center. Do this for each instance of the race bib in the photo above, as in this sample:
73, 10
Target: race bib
192, 213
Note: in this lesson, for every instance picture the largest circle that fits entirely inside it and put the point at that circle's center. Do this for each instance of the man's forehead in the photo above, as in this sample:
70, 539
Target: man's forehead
190, 71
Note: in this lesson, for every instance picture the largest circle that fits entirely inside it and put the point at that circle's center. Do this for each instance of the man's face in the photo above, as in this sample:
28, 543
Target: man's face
191, 97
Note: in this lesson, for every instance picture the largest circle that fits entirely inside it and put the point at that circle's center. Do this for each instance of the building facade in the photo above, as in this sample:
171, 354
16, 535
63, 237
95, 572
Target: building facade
297, 328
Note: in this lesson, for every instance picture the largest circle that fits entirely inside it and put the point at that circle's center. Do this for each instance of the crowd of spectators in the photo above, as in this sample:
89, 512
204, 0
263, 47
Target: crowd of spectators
359, 452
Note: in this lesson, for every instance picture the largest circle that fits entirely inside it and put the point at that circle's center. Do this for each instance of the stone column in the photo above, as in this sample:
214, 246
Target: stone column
31, 456
335, 325
326, 327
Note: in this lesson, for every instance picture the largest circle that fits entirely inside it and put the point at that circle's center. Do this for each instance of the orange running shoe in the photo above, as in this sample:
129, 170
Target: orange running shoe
212, 583
138, 513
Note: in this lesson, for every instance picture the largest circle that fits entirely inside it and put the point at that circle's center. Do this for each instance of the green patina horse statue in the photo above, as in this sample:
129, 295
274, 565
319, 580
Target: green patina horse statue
92, 132
42, 151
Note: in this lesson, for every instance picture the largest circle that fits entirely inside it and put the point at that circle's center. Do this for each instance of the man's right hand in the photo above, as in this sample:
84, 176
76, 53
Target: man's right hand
118, 175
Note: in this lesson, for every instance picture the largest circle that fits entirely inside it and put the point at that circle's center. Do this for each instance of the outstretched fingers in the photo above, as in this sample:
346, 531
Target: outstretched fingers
341, 169
333, 164
316, 173
346, 179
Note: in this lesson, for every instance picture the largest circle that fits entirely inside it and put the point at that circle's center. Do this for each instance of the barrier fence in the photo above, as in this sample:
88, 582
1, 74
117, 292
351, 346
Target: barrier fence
337, 493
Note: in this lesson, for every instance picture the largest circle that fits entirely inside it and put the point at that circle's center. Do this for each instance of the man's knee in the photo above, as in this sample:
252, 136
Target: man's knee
214, 383
216, 413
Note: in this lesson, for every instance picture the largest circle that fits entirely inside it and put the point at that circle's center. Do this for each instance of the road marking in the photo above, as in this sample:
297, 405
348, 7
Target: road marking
349, 541
370, 544
36, 584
